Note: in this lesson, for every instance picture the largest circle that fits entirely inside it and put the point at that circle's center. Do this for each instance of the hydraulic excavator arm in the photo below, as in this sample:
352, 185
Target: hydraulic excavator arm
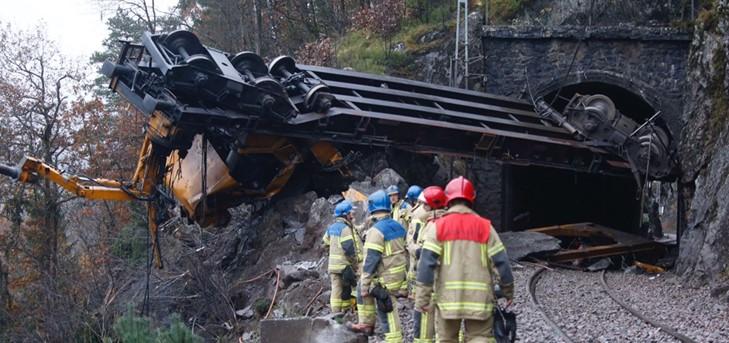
32, 170
148, 175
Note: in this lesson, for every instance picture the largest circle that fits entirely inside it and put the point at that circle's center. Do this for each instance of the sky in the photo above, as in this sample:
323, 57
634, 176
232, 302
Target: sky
77, 26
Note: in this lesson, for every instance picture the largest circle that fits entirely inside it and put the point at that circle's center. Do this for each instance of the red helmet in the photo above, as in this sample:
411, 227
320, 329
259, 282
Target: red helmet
460, 188
434, 197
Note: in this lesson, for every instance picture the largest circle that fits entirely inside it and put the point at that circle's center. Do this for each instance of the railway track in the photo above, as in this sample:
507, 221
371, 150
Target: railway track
600, 305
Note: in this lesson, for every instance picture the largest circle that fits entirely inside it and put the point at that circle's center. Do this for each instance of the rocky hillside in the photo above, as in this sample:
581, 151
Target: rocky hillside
704, 153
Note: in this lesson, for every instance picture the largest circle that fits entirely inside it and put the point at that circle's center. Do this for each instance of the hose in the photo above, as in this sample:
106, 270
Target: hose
13, 172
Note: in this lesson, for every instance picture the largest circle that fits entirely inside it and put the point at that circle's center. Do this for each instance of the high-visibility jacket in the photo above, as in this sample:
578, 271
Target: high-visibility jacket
458, 261
400, 212
429, 220
418, 219
344, 245
385, 260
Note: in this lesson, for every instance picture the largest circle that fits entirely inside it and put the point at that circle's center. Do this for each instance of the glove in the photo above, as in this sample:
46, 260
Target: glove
382, 297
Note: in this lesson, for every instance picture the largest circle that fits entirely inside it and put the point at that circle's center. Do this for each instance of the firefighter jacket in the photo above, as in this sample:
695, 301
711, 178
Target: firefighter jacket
385, 256
418, 219
458, 261
344, 245
401, 212
429, 225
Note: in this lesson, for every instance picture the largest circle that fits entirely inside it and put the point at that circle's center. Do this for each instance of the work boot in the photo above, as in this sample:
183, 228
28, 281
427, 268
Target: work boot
366, 329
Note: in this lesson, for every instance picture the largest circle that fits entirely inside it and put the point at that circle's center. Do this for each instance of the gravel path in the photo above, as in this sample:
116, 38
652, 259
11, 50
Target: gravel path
690, 311
575, 301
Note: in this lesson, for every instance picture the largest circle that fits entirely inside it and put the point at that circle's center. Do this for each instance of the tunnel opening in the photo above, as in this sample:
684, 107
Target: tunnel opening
626, 101
538, 197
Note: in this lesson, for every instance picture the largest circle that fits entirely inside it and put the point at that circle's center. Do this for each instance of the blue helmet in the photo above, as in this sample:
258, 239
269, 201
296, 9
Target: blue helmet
378, 201
413, 192
343, 208
393, 190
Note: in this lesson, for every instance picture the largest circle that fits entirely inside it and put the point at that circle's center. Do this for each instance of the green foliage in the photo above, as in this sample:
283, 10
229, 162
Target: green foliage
131, 328
261, 306
131, 243
501, 11
412, 36
177, 333
712, 11
367, 54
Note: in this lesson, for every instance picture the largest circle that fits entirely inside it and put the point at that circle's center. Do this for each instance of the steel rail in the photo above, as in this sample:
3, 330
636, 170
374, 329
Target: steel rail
532, 289
665, 328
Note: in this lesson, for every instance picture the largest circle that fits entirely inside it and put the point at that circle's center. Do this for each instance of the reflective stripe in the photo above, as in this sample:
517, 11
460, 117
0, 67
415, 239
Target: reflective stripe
398, 269
433, 247
472, 306
394, 335
447, 253
388, 248
424, 325
345, 238
467, 285
484, 255
394, 285
499, 247
374, 246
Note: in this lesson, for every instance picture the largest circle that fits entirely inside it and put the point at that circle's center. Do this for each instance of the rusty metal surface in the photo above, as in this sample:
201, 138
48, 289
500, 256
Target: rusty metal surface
616, 242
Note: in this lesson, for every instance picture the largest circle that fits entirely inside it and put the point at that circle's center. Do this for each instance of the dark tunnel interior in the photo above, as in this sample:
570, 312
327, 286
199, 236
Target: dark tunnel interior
538, 196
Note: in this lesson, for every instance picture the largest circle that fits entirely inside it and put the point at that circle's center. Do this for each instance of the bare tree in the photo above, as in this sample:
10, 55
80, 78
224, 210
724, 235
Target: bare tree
38, 86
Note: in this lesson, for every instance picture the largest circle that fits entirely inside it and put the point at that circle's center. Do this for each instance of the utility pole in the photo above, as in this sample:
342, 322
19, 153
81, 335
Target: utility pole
462, 4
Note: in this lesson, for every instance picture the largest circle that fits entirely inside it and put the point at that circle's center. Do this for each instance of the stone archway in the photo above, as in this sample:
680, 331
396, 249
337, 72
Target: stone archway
633, 98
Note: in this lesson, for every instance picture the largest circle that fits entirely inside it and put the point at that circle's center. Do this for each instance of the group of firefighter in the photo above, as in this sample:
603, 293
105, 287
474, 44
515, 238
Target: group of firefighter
431, 246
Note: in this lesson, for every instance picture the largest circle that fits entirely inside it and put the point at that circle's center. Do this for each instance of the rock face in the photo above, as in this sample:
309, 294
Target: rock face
704, 154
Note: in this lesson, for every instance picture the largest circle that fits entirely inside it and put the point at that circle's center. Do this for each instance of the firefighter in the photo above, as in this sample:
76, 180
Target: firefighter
461, 260
411, 196
344, 256
430, 207
419, 215
383, 271
397, 204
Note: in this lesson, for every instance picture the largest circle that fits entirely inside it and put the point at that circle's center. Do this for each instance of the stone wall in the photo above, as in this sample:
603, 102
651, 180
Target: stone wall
650, 62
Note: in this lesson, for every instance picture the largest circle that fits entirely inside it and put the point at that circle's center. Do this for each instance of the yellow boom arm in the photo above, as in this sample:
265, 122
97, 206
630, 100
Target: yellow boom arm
150, 170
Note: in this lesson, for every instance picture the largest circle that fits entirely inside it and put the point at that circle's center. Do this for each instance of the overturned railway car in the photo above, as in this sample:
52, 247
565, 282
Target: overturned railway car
226, 128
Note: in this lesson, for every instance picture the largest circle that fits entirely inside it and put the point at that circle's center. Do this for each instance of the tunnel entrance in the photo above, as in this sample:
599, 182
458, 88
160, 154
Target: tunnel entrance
538, 196
626, 101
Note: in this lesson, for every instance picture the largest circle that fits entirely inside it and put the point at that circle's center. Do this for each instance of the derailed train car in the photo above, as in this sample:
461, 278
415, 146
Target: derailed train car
226, 128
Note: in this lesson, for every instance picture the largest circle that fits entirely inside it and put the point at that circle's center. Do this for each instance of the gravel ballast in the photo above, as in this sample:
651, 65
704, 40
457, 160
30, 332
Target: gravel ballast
576, 302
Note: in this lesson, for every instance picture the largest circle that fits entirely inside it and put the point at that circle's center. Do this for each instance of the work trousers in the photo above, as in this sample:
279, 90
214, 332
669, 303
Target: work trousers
424, 326
335, 299
475, 331
368, 312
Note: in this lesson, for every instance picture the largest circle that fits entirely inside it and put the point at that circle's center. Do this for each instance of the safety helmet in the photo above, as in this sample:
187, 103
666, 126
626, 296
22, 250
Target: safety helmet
343, 208
413, 192
460, 188
435, 197
421, 198
393, 190
378, 201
